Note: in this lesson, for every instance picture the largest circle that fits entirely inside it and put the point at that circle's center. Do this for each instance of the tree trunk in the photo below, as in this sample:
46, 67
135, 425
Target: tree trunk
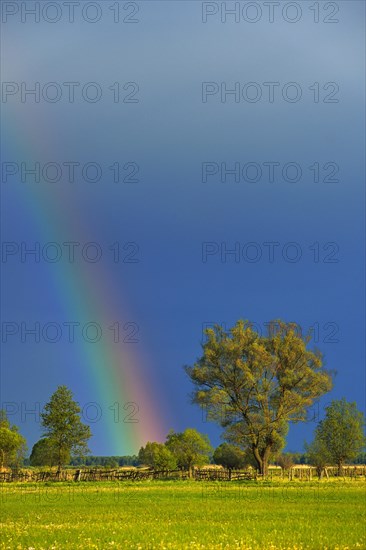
262, 459
340, 468
59, 462
264, 471
265, 459
257, 458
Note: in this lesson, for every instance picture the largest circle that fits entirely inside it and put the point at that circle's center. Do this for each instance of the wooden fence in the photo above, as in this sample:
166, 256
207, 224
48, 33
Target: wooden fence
89, 474
303, 473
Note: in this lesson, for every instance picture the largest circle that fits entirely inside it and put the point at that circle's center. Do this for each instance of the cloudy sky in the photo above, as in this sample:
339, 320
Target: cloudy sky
208, 167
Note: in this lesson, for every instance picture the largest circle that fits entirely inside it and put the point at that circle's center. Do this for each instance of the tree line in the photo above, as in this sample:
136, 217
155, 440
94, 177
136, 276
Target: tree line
254, 386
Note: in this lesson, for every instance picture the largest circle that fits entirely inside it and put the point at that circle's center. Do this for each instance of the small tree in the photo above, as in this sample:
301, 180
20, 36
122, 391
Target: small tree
45, 453
12, 443
158, 456
317, 454
111, 462
63, 426
190, 448
286, 461
360, 459
341, 432
230, 456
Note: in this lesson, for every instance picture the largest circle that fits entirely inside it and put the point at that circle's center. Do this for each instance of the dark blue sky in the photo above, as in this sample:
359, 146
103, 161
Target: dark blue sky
311, 215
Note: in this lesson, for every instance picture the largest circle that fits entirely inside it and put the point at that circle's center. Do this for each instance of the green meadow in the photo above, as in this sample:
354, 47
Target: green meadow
194, 515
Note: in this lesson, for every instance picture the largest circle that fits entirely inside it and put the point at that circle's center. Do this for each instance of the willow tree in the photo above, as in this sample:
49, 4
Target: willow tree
255, 385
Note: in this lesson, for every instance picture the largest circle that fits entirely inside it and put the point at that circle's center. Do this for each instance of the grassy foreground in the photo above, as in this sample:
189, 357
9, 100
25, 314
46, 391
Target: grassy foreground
192, 515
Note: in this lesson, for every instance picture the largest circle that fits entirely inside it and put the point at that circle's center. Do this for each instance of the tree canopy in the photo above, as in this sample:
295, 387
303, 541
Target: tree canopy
255, 385
190, 448
46, 453
339, 438
158, 456
12, 443
106, 461
230, 456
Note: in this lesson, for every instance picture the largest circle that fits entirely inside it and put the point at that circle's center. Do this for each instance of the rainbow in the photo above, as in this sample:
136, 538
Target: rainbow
113, 373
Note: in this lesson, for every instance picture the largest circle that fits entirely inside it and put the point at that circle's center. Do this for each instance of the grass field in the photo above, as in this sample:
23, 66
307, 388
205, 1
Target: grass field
173, 515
